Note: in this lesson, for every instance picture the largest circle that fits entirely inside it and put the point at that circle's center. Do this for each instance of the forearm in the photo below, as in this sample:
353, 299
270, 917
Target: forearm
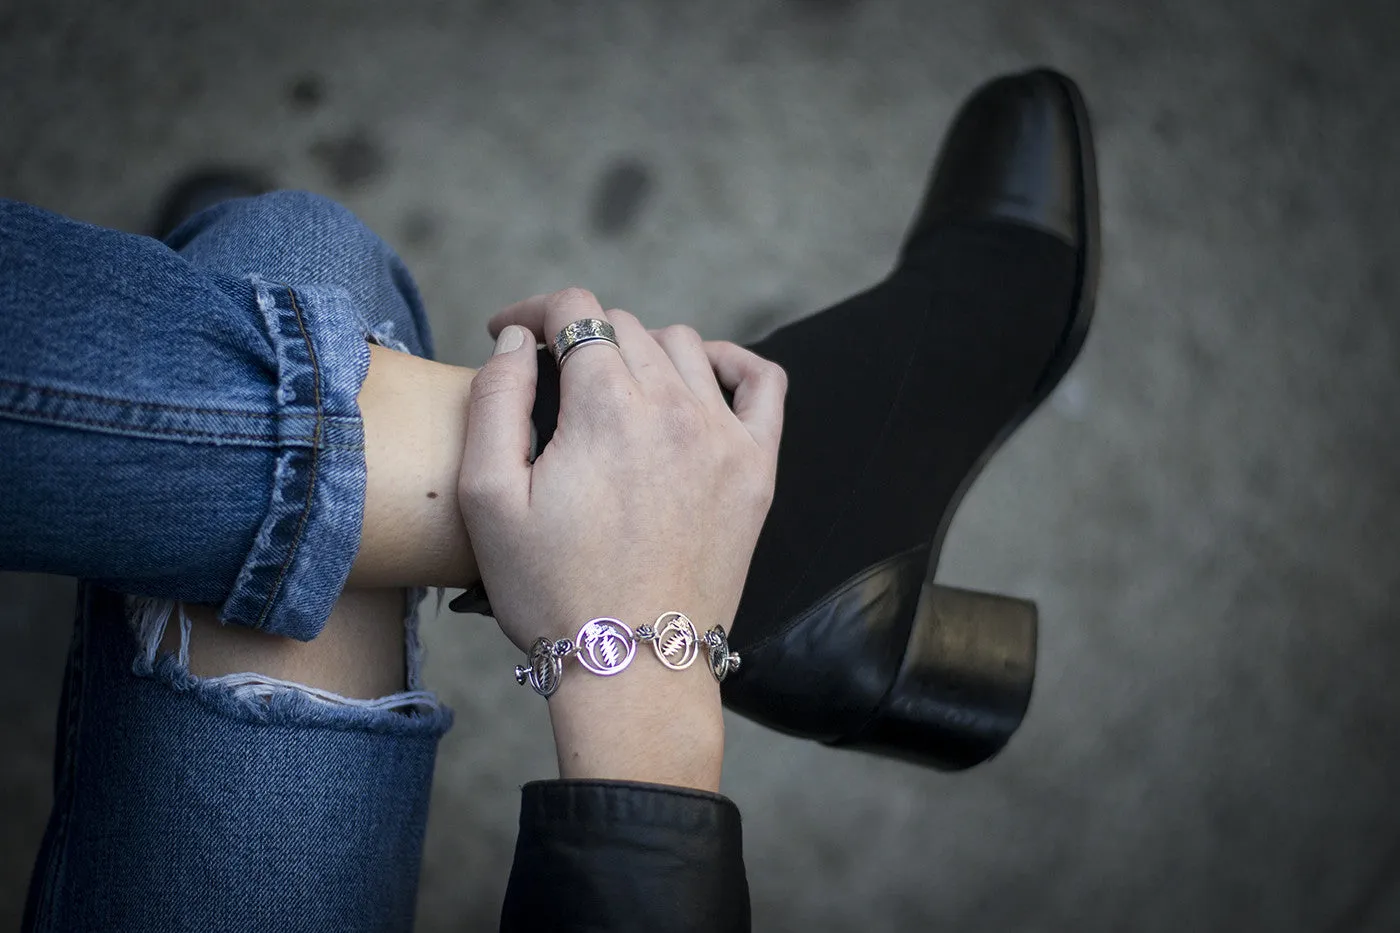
415, 418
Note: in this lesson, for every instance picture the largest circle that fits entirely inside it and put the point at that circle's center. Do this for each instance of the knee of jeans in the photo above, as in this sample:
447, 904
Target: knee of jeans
255, 697
293, 218
303, 239
313, 212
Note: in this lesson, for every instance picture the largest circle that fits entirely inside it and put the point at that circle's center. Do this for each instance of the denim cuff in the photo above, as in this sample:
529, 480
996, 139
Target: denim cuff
302, 553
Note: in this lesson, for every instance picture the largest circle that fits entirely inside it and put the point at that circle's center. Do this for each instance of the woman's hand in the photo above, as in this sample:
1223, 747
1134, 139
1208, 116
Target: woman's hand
648, 499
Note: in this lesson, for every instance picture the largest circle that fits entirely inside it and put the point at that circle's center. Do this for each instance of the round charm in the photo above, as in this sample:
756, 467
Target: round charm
605, 646
722, 660
544, 670
676, 644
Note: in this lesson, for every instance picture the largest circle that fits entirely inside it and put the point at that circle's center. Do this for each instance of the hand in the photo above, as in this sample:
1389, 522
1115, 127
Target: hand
650, 496
648, 499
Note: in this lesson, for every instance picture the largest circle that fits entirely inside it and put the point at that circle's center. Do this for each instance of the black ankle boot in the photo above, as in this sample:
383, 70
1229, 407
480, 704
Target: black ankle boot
896, 399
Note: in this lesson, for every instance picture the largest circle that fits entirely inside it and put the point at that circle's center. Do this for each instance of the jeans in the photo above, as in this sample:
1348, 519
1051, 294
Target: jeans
178, 423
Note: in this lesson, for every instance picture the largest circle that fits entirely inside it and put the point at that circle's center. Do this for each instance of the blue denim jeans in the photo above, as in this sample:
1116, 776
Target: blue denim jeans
178, 423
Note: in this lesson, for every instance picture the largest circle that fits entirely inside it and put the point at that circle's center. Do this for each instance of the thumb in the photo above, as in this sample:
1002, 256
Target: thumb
496, 460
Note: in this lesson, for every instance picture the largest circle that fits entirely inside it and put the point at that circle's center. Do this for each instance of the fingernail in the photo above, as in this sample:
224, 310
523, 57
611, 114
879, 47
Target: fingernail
511, 338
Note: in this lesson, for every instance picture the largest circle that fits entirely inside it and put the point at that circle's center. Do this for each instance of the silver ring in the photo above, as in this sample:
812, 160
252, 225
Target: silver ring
577, 333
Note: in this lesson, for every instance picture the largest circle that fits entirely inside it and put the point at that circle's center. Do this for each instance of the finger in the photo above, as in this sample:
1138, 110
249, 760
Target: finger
644, 357
529, 314
759, 388
687, 353
496, 458
546, 315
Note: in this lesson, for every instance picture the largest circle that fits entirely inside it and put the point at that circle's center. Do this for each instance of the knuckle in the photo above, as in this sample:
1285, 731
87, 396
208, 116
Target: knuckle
777, 375
573, 295
681, 334
619, 316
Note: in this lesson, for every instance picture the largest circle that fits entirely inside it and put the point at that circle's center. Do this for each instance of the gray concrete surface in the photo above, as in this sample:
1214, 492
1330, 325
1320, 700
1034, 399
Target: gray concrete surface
1206, 512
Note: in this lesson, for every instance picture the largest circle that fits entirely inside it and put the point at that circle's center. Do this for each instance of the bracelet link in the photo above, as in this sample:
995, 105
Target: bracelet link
545, 668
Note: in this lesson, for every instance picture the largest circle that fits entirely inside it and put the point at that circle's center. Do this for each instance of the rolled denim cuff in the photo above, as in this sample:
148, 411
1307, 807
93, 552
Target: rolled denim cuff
302, 553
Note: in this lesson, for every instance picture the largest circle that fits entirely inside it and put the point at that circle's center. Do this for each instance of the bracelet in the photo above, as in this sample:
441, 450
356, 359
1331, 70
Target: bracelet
606, 646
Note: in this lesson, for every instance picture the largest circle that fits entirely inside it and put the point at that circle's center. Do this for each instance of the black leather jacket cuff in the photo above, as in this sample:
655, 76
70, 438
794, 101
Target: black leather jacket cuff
618, 855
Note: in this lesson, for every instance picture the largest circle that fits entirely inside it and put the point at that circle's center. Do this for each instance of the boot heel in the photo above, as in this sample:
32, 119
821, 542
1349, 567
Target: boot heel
964, 684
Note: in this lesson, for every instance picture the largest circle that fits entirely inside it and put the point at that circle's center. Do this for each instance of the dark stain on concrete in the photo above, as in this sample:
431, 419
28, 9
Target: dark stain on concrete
307, 92
619, 196
419, 227
351, 160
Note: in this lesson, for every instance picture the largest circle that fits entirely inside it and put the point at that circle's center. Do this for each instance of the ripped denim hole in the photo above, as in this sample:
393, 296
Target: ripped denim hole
150, 617
413, 647
383, 335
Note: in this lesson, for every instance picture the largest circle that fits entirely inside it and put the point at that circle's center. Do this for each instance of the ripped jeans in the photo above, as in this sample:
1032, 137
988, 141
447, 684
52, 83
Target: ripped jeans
178, 423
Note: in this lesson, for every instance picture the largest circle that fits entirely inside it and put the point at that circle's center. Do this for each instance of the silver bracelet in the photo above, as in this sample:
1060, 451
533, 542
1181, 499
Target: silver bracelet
606, 646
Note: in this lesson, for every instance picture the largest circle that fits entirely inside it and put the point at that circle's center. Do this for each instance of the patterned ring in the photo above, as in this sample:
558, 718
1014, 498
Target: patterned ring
577, 333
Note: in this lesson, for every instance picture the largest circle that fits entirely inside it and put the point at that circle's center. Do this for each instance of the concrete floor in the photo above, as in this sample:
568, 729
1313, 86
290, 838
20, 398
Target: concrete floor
1206, 513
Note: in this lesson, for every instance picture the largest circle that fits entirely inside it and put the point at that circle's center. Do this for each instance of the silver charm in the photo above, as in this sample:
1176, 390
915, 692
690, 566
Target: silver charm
605, 646
723, 662
544, 670
677, 644
644, 632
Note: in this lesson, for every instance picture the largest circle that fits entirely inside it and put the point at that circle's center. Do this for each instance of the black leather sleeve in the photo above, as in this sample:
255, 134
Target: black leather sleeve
615, 855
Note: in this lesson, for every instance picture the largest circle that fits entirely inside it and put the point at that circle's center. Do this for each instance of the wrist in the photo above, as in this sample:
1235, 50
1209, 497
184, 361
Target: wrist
415, 414
646, 724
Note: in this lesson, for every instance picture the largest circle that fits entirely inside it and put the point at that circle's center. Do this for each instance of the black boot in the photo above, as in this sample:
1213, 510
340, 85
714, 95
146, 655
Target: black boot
896, 399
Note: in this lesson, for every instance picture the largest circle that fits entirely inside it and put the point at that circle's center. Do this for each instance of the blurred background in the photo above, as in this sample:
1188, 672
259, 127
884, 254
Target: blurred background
1206, 511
